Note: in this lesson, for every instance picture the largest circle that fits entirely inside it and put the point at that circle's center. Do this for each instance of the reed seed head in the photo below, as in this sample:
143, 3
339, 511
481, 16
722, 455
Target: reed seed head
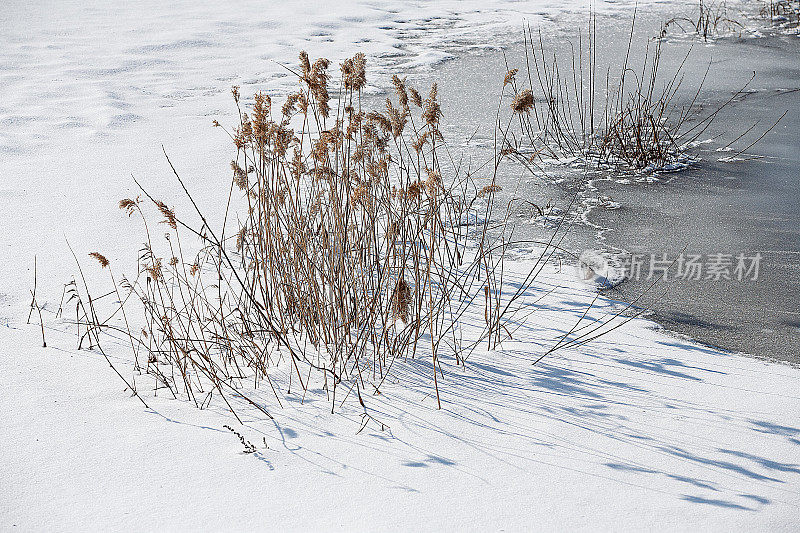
510, 76
401, 300
523, 101
154, 269
432, 111
415, 97
100, 258
169, 215
400, 90
434, 182
489, 189
354, 72
129, 205
239, 176
305, 65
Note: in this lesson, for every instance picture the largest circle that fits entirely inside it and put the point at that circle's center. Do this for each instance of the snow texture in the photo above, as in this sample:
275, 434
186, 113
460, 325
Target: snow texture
635, 431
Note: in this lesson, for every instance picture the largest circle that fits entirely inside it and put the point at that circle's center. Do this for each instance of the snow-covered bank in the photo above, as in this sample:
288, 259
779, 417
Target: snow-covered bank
635, 431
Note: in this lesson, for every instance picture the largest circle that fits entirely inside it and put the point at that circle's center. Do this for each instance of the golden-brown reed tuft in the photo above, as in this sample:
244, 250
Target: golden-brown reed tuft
354, 75
489, 189
432, 111
523, 101
100, 258
128, 205
169, 215
401, 300
510, 75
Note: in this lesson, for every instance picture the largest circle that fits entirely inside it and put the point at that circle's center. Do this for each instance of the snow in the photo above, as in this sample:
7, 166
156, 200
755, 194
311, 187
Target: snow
636, 430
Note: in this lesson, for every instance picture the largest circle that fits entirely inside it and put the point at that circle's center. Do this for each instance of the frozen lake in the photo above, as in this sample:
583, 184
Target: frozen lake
735, 208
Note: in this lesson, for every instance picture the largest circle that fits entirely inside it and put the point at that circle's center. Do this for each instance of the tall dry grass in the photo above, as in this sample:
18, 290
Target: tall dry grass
711, 20
782, 12
630, 114
356, 246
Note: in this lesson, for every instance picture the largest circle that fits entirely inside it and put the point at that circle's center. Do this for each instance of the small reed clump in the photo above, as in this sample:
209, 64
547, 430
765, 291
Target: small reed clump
712, 20
633, 120
782, 12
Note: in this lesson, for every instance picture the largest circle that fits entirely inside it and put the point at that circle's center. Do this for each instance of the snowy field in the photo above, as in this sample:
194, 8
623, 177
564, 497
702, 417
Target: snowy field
636, 431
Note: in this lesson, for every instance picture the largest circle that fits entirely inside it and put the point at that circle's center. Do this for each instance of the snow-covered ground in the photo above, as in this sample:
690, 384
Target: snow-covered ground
637, 430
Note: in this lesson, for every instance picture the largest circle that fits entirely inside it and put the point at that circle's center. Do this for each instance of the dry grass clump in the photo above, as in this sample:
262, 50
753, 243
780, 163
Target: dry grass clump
782, 12
348, 253
711, 20
569, 110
